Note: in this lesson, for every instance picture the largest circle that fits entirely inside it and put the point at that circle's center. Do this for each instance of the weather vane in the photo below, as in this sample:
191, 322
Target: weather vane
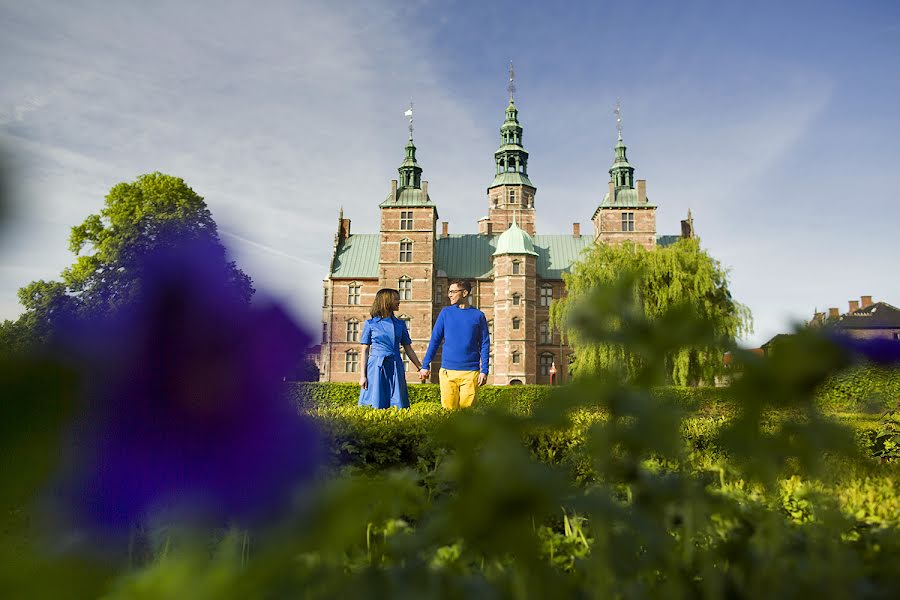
409, 113
618, 112
512, 82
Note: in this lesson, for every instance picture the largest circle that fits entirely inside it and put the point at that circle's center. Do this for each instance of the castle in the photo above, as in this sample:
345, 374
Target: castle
515, 272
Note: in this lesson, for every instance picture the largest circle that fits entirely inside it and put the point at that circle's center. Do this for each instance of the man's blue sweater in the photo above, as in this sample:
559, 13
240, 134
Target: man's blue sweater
464, 332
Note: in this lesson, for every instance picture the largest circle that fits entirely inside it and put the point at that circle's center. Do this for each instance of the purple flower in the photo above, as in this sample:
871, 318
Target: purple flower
185, 411
880, 351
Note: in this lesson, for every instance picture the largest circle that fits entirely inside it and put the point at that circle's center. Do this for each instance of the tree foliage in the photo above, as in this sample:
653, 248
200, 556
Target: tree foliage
680, 275
153, 212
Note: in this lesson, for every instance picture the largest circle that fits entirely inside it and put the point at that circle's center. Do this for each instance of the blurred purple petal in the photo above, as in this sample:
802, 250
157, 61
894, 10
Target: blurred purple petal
880, 351
185, 406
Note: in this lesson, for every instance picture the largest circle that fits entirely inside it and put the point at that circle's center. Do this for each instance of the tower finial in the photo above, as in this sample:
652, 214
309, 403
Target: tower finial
512, 83
409, 113
618, 112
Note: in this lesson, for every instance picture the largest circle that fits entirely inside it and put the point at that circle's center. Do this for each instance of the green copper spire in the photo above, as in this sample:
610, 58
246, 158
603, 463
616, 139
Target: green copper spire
410, 171
515, 240
511, 159
621, 172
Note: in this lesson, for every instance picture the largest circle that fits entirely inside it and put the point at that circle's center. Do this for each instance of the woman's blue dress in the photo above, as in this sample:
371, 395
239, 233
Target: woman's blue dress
384, 370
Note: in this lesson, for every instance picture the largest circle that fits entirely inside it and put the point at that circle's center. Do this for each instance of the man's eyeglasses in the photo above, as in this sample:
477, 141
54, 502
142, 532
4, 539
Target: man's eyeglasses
451, 292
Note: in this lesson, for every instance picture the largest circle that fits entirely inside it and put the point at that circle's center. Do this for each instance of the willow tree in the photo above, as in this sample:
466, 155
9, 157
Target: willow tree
674, 277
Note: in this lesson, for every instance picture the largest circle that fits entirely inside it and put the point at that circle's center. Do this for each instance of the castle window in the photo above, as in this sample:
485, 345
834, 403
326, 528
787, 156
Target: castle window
546, 295
325, 297
405, 288
406, 251
627, 221
353, 293
512, 196
405, 359
491, 328
439, 294
406, 321
516, 322
352, 330
516, 267
490, 364
545, 333
351, 361
516, 357
324, 333
406, 220
516, 299
546, 363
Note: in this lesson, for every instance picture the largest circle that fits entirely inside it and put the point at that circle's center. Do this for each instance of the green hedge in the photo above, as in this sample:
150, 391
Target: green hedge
863, 388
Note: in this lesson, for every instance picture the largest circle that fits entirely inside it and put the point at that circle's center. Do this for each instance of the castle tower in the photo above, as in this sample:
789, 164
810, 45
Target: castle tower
407, 247
511, 191
515, 305
625, 213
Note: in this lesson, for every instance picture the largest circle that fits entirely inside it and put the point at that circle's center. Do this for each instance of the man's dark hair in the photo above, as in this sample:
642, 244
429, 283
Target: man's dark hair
462, 283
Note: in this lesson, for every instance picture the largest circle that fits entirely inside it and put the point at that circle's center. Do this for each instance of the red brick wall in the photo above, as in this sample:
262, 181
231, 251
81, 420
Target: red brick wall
608, 226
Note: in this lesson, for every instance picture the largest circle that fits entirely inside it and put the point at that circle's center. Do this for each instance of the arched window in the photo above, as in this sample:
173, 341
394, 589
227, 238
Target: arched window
406, 250
351, 361
515, 382
516, 357
352, 330
516, 267
405, 287
546, 294
546, 363
546, 336
353, 293
516, 322
516, 299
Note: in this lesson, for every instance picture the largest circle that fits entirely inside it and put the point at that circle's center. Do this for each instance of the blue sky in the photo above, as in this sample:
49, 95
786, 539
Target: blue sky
775, 123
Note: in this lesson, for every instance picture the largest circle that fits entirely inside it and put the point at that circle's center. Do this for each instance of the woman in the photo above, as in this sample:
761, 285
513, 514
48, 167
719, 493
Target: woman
383, 382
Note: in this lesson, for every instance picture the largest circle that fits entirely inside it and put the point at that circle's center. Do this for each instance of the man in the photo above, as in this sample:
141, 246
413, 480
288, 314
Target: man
463, 329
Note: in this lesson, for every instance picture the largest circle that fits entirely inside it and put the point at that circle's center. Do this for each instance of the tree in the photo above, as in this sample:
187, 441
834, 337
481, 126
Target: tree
666, 278
154, 212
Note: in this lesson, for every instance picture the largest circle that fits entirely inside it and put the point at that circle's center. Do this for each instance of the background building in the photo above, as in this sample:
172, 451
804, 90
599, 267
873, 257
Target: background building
515, 272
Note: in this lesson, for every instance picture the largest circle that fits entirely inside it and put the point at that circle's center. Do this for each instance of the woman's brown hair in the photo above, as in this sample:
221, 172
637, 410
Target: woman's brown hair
384, 303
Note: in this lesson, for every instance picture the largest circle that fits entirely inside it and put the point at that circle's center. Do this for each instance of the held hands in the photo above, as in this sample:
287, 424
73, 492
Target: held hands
363, 382
482, 379
423, 374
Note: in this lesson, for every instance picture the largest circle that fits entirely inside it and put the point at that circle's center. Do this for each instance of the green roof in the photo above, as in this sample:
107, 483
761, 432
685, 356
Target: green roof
408, 197
666, 240
556, 253
357, 256
625, 198
470, 255
514, 241
511, 178
461, 255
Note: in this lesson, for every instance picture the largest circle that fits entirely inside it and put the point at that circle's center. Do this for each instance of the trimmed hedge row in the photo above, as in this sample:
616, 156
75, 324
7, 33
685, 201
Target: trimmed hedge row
855, 390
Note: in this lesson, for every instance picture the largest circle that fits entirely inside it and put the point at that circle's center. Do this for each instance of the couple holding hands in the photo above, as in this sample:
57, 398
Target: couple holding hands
462, 329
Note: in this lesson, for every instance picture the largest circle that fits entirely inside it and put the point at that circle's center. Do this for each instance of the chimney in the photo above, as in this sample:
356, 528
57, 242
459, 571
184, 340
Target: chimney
576, 229
612, 192
854, 306
444, 229
866, 301
834, 313
642, 191
345, 229
425, 189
